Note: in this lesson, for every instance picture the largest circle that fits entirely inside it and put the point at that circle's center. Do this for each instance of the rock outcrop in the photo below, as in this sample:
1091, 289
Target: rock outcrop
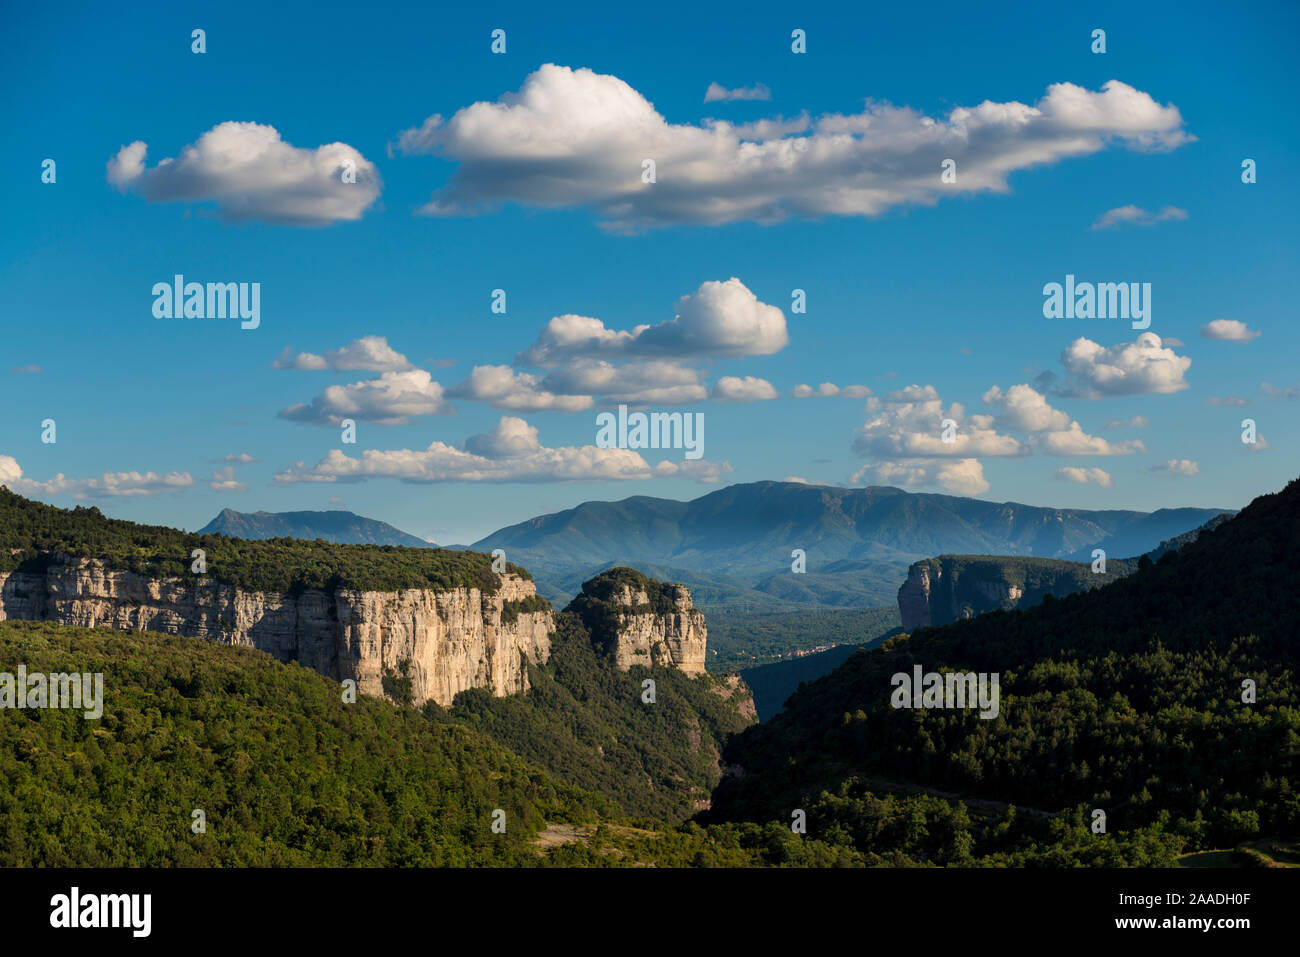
639, 621
939, 591
444, 641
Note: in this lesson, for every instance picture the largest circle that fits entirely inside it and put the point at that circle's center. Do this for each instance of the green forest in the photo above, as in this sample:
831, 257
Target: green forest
1127, 699
1168, 700
33, 534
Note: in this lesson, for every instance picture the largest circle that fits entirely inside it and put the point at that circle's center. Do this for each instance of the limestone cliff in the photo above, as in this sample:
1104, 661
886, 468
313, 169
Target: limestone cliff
939, 591
639, 621
447, 641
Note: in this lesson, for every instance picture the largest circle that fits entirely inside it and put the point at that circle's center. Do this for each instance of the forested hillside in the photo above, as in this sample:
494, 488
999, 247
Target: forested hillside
31, 532
286, 773
1127, 699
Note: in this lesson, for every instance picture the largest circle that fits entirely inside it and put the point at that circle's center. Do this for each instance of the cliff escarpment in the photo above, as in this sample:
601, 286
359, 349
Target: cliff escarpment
939, 591
443, 640
639, 621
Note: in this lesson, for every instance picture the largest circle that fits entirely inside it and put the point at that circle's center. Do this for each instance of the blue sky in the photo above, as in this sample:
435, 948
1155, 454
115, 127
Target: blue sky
909, 281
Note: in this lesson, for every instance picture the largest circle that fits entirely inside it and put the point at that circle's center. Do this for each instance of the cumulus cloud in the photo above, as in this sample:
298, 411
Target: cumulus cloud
108, 485
1183, 467
958, 476
1228, 330
1074, 441
243, 458
1144, 366
577, 138
656, 382
1023, 409
390, 399
908, 423
717, 92
1137, 216
223, 480
510, 452
250, 173
748, 388
1085, 476
830, 390
503, 388
720, 320
367, 354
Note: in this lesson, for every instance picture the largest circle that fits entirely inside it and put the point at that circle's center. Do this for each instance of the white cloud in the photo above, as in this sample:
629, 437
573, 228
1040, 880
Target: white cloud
958, 476
27, 370
108, 485
503, 388
1228, 400
1024, 409
1137, 216
1144, 366
1084, 476
252, 174
9, 470
829, 390
1228, 330
367, 354
1183, 467
717, 92
223, 480
1170, 342
390, 399
909, 423
1074, 441
577, 138
1137, 422
635, 383
243, 458
511, 452
720, 319
743, 389
510, 437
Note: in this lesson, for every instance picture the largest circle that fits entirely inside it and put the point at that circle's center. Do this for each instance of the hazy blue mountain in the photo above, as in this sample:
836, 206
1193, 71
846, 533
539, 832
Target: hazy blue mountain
345, 528
858, 542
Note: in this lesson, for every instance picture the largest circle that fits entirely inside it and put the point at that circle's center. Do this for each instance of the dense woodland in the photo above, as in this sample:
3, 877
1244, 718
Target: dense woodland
286, 772
32, 533
1127, 699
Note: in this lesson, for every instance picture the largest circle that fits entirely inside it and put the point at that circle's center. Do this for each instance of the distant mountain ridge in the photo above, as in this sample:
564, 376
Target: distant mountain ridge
346, 528
859, 542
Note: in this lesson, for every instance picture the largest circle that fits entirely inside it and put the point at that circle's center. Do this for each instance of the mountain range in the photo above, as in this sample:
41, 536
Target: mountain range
735, 546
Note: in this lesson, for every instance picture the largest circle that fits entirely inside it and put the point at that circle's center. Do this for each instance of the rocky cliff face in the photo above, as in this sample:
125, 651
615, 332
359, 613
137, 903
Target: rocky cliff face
448, 641
639, 621
939, 591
